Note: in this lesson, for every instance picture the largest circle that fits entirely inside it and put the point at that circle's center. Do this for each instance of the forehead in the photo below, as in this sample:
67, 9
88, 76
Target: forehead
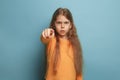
61, 18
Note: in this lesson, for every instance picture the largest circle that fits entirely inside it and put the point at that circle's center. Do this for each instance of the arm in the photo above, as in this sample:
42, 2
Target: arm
46, 35
79, 77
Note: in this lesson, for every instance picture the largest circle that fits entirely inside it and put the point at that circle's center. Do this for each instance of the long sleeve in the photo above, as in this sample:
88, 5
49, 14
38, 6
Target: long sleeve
45, 40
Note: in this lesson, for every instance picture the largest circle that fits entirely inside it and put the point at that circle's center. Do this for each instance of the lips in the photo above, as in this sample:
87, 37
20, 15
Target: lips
62, 31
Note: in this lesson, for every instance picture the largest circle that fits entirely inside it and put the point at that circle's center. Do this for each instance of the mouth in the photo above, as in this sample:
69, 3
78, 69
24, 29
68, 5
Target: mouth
62, 31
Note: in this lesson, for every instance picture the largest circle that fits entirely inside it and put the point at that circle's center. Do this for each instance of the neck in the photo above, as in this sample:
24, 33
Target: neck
63, 37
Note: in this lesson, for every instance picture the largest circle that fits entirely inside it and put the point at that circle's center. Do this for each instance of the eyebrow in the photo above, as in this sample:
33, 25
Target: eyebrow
62, 21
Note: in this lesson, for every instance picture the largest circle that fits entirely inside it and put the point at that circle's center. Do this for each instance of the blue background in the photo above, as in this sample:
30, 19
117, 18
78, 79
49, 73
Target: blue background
22, 21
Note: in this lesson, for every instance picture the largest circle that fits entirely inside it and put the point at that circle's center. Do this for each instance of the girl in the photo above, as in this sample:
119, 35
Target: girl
64, 53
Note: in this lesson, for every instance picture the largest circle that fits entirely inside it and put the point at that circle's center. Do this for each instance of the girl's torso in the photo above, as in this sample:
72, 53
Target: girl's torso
65, 67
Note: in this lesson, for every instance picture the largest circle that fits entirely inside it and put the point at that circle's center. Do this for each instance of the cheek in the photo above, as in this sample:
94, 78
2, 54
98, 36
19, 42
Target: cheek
57, 28
69, 27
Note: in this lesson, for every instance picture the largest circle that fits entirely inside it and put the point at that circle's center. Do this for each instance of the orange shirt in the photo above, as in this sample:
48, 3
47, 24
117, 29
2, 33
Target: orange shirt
65, 67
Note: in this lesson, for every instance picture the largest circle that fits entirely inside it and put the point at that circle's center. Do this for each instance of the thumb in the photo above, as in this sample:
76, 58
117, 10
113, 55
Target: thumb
51, 33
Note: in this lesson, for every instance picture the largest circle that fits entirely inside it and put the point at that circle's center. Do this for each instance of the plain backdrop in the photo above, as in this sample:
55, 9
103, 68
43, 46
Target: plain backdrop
22, 55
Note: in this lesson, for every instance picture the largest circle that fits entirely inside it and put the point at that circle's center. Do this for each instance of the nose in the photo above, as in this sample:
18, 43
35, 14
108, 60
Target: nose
62, 25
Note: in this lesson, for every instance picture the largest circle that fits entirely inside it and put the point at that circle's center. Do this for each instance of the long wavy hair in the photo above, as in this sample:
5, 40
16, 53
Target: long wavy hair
72, 37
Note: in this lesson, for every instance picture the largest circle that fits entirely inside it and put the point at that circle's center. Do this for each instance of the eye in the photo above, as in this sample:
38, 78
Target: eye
66, 22
58, 22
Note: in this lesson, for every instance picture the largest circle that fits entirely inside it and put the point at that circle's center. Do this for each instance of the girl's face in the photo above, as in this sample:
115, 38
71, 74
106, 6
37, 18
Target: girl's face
62, 26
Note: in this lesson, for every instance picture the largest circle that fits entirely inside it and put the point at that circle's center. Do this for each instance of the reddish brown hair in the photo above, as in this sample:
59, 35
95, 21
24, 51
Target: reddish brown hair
72, 37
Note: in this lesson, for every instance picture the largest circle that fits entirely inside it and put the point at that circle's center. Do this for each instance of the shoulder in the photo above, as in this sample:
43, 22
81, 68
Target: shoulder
50, 47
